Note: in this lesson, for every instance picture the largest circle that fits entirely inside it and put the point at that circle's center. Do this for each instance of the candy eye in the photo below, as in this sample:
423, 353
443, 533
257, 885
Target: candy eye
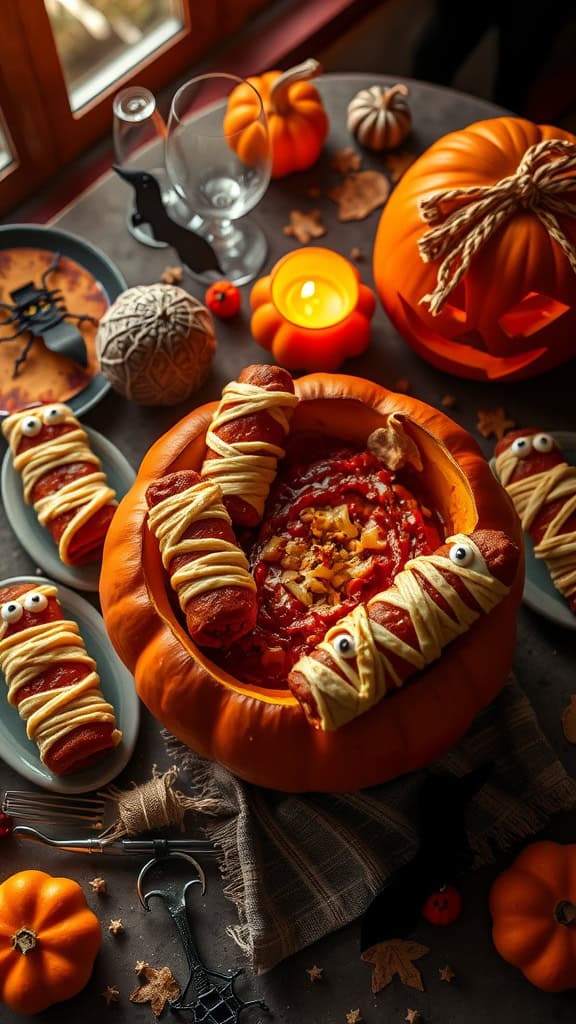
344, 646
55, 414
35, 602
521, 446
31, 426
461, 554
543, 442
11, 612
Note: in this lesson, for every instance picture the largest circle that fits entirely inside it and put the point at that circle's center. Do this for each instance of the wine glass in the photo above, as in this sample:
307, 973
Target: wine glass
138, 123
205, 168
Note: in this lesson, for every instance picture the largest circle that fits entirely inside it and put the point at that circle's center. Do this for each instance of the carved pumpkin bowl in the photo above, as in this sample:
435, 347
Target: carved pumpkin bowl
261, 734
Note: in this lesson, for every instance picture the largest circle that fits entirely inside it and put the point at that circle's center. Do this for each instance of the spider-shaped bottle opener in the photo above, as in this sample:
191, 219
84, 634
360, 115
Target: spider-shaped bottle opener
41, 312
211, 995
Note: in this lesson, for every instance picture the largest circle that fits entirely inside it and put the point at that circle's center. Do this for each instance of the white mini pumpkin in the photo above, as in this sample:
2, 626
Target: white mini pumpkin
380, 118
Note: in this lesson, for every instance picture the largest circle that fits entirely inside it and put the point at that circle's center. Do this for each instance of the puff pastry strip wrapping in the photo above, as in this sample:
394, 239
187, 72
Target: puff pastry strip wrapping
377, 647
63, 479
208, 570
244, 441
52, 680
542, 485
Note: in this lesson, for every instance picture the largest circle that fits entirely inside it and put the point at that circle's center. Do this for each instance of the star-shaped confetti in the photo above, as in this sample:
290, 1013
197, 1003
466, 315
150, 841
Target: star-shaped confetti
160, 987
116, 927
354, 1017
494, 422
413, 1017
446, 973
110, 994
305, 225
140, 965
315, 973
171, 275
99, 886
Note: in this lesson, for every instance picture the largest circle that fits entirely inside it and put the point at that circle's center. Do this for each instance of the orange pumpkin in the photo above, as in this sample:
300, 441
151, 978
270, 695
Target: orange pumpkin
297, 121
513, 312
262, 734
48, 941
533, 906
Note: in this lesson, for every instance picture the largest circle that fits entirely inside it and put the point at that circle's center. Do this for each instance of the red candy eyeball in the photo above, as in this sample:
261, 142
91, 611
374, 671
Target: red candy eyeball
223, 299
443, 906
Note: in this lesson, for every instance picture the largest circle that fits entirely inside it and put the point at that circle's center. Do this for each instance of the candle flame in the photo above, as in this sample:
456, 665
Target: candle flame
308, 290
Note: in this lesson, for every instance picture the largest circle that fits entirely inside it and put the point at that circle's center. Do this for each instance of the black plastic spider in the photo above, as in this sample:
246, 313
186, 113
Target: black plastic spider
37, 310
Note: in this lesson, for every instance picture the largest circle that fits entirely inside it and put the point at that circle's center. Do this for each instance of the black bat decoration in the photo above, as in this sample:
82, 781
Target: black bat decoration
443, 853
194, 251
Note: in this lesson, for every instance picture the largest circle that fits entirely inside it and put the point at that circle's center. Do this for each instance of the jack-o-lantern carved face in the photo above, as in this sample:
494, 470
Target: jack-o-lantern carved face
513, 313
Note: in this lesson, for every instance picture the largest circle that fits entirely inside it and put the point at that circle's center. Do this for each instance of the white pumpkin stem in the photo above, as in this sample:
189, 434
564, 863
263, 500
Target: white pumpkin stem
24, 940
299, 73
389, 94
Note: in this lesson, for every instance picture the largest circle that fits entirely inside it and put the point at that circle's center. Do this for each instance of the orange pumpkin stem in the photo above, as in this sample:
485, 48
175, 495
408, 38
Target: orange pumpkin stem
565, 912
24, 940
299, 73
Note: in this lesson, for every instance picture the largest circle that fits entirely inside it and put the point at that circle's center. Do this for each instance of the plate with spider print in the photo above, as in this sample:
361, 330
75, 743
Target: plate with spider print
60, 270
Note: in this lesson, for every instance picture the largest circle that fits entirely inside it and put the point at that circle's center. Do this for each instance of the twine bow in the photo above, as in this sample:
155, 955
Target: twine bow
542, 176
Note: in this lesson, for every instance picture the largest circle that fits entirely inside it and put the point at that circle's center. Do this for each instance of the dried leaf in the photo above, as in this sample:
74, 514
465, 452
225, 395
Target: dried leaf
99, 886
110, 994
397, 163
569, 720
346, 160
360, 194
395, 957
393, 446
159, 988
494, 421
305, 225
315, 973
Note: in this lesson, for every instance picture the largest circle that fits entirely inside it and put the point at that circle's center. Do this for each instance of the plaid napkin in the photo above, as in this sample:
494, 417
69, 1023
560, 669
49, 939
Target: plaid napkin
300, 866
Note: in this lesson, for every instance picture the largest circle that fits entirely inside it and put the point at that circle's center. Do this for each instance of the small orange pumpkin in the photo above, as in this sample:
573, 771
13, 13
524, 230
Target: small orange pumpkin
533, 907
48, 941
512, 313
262, 734
297, 121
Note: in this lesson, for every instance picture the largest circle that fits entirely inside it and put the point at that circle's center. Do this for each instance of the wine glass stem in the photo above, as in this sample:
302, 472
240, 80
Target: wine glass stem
220, 229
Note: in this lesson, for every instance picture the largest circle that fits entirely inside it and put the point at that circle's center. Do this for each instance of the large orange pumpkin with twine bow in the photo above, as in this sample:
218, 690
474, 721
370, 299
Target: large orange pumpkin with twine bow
475, 254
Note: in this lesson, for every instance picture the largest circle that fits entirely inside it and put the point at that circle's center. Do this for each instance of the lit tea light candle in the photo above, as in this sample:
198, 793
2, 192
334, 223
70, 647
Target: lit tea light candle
312, 311
314, 288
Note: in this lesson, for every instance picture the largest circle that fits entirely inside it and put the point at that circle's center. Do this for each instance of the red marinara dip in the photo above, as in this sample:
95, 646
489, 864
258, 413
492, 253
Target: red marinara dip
336, 531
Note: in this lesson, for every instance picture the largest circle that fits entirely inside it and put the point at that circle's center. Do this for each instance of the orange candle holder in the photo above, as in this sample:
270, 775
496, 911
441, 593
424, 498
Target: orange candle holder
312, 311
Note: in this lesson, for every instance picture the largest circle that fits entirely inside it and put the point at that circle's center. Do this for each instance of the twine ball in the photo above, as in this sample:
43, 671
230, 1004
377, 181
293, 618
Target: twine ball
155, 344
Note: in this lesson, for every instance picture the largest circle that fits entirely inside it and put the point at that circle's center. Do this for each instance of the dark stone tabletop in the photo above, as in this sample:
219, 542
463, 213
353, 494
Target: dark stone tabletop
486, 987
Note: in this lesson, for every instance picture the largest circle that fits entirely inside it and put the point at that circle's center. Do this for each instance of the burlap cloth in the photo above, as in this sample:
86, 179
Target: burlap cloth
298, 867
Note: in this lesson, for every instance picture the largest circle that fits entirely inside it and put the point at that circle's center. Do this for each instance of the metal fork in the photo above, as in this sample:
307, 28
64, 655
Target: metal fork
52, 809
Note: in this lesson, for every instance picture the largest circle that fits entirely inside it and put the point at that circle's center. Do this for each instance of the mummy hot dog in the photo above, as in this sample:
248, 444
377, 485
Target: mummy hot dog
245, 438
208, 571
63, 479
542, 485
376, 647
52, 680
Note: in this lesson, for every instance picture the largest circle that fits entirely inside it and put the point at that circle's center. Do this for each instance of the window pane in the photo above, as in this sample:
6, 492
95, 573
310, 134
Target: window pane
98, 41
6, 156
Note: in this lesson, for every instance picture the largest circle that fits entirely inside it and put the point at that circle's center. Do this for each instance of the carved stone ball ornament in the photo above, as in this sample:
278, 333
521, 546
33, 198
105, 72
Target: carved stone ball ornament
155, 344
380, 118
